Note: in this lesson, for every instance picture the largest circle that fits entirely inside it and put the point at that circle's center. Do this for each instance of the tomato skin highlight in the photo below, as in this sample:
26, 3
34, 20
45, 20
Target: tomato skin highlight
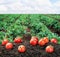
41, 42
4, 42
54, 40
35, 38
21, 48
9, 46
46, 39
18, 40
49, 49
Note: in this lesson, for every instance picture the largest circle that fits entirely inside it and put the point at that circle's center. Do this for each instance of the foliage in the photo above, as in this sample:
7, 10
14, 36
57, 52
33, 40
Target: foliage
12, 25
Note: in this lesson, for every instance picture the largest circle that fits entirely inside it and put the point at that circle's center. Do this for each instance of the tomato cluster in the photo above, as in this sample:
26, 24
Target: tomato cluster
41, 42
33, 41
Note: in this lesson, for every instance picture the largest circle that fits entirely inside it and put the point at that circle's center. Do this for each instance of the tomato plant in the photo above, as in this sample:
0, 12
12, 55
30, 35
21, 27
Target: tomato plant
39, 25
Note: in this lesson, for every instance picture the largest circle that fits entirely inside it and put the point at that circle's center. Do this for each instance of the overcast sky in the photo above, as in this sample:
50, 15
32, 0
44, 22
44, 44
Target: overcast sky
30, 6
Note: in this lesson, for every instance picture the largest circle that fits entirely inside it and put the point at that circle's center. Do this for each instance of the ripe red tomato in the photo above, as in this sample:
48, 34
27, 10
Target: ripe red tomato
33, 42
18, 40
41, 42
4, 42
9, 46
49, 49
21, 48
53, 40
46, 39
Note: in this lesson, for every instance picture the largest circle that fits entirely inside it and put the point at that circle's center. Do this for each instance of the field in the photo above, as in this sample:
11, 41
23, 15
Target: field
40, 25
27, 25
